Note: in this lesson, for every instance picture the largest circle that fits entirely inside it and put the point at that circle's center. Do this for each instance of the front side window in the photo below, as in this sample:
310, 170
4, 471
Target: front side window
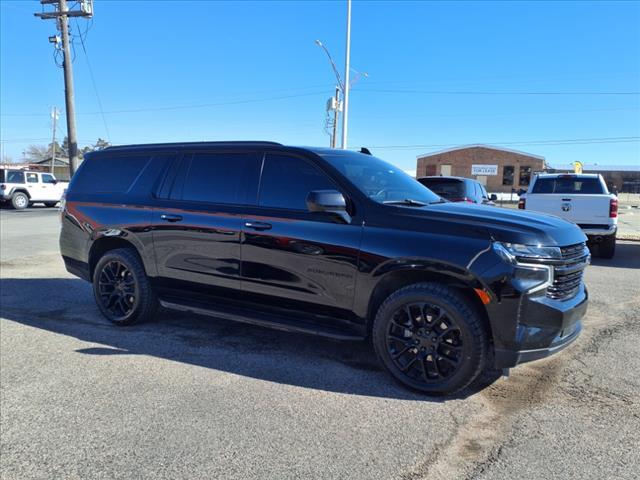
507, 175
379, 180
14, 176
525, 175
32, 177
47, 178
217, 177
286, 182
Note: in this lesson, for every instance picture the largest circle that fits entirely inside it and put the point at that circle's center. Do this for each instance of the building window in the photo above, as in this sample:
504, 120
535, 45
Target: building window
525, 175
507, 175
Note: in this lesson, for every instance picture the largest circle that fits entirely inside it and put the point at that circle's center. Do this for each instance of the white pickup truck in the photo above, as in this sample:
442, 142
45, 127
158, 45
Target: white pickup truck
580, 198
23, 187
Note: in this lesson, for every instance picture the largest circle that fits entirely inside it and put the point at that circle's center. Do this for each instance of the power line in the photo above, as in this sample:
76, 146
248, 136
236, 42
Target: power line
481, 92
572, 141
93, 81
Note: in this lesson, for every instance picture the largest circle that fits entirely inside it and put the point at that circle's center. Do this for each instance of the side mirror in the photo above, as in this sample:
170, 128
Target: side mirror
330, 201
493, 197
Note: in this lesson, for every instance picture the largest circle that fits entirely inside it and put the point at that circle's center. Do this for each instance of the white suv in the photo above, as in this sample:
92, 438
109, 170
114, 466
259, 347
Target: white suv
24, 187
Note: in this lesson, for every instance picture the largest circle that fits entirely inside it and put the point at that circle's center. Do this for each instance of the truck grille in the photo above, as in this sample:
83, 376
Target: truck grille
568, 276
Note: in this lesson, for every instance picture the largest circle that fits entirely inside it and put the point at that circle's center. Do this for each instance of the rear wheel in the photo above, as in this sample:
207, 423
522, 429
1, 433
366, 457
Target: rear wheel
607, 247
430, 338
121, 288
20, 201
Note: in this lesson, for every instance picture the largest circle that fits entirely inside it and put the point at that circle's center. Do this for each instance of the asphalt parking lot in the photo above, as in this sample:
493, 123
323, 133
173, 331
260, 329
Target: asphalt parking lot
195, 397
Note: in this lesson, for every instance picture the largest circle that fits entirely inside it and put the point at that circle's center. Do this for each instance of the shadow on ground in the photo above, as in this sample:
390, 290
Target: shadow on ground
627, 256
66, 307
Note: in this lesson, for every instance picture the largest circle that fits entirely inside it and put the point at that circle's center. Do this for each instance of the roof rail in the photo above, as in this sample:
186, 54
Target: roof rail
251, 143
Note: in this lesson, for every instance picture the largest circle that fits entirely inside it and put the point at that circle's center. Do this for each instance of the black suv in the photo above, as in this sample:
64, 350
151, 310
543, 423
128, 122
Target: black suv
329, 242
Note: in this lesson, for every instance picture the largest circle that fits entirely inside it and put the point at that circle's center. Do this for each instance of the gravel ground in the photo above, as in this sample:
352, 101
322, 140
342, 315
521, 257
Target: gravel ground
193, 397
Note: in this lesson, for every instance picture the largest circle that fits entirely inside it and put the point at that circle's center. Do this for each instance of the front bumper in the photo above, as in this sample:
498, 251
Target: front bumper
550, 327
600, 232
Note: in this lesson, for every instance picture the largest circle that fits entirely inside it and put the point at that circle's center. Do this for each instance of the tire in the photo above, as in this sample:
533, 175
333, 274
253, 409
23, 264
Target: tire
50, 204
607, 247
19, 201
121, 288
428, 365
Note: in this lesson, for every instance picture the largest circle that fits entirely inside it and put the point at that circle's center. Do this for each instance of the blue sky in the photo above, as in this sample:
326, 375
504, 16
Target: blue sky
251, 70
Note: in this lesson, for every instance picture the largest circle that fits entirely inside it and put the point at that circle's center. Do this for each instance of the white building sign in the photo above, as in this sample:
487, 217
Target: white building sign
484, 169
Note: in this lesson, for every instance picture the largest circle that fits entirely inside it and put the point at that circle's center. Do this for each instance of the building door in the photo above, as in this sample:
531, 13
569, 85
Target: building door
445, 170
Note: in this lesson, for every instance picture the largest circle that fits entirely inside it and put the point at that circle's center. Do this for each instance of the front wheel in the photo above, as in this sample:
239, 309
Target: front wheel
50, 204
430, 338
121, 288
20, 201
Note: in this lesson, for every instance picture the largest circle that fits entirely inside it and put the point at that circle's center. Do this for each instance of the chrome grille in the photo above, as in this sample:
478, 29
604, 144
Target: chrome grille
572, 251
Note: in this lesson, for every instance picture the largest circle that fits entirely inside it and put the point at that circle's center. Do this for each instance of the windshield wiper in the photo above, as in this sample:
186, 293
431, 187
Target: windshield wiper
406, 201
442, 200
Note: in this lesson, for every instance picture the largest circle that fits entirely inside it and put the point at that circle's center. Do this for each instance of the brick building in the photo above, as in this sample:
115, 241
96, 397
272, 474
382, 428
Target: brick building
499, 169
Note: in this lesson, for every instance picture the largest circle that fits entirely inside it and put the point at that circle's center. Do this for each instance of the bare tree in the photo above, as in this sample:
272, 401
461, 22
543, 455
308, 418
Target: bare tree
35, 153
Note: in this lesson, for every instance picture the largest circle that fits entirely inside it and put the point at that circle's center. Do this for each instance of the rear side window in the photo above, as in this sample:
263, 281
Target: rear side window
445, 188
286, 182
568, 185
14, 176
32, 177
218, 177
109, 174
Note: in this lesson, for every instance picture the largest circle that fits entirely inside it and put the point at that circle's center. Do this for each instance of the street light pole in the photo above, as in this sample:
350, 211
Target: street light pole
336, 113
345, 113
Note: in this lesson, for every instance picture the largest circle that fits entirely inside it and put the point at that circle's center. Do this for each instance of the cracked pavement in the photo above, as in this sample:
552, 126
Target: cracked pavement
193, 397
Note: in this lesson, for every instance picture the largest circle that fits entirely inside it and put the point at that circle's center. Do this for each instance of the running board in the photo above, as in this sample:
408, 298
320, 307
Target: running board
268, 320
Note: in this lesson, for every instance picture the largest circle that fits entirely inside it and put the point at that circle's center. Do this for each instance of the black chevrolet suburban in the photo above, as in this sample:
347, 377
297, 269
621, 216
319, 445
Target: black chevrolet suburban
328, 242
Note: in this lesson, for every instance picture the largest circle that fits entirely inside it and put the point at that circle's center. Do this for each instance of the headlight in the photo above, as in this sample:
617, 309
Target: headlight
515, 252
529, 277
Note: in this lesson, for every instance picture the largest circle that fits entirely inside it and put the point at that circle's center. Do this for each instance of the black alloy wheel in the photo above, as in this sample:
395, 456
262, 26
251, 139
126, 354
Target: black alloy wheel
424, 342
121, 287
431, 338
117, 288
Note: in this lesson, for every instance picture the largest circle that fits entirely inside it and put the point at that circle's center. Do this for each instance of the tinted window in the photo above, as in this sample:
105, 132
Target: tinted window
108, 174
32, 177
46, 178
569, 184
217, 177
286, 182
446, 188
15, 177
507, 175
379, 180
525, 175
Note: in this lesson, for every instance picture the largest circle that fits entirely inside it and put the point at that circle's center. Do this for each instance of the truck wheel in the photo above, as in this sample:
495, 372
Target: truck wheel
20, 201
607, 247
121, 288
50, 204
430, 338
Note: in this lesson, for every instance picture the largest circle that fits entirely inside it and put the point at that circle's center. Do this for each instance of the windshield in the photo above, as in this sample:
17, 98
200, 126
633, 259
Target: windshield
379, 180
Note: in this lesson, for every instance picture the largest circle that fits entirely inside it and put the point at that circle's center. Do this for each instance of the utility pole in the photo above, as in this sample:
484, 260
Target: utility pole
62, 14
54, 117
345, 113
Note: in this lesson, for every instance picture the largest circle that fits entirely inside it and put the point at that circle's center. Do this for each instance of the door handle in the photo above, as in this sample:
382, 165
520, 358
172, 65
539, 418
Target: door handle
258, 225
170, 218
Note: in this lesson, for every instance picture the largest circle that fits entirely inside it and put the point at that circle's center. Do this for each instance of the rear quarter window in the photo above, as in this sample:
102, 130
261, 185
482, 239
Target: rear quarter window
109, 174
568, 185
14, 176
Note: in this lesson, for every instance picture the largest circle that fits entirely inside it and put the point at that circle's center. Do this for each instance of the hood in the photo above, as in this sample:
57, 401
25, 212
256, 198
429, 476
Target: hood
504, 225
